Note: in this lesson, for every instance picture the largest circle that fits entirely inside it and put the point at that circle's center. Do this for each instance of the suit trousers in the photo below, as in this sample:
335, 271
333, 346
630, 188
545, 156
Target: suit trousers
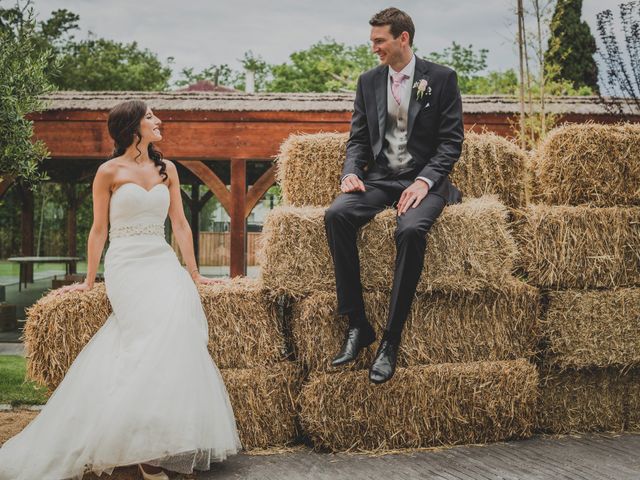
348, 213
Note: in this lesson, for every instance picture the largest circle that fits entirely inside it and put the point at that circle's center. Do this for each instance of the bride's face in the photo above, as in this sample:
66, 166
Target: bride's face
150, 127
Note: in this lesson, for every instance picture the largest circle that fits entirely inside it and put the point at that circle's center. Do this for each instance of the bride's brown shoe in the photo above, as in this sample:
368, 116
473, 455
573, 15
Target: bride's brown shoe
153, 476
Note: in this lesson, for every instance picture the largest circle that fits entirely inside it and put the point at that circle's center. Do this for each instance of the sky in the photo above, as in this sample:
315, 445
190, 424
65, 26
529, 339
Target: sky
199, 33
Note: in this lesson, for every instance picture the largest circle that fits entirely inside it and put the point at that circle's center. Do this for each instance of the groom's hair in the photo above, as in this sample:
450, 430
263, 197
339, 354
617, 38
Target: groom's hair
398, 20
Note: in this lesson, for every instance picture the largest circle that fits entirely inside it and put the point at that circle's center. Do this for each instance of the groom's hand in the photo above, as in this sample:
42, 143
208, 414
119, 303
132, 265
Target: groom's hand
412, 196
351, 183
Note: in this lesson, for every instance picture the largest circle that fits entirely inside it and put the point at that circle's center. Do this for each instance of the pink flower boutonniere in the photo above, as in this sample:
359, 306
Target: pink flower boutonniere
423, 88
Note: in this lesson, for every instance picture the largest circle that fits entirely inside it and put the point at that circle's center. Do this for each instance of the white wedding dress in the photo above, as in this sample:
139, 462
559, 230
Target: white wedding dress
144, 389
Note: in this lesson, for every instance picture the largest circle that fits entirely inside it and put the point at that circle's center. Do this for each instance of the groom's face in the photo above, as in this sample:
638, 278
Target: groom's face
388, 49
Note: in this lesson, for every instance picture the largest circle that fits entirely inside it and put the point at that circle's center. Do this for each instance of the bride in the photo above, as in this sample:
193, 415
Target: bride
144, 389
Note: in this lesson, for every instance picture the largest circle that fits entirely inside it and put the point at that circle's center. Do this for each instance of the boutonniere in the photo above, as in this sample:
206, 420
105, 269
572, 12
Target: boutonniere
422, 87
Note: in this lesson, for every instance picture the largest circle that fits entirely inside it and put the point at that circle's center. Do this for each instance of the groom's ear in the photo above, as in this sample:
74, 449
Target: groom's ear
405, 38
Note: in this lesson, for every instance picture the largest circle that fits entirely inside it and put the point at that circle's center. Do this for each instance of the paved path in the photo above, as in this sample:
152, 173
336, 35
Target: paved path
592, 457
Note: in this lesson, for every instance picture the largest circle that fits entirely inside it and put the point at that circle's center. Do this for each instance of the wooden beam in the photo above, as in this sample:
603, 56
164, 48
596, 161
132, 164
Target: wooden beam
238, 239
194, 205
205, 198
5, 183
257, 191
211, 180
27, 225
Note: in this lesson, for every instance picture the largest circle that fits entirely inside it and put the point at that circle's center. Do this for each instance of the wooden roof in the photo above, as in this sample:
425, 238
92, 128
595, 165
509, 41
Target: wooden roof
300, 102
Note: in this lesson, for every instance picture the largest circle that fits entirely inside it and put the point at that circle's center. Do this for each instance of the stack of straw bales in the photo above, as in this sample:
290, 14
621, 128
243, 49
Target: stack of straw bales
309, 169
581, 242
245, 340
462, 372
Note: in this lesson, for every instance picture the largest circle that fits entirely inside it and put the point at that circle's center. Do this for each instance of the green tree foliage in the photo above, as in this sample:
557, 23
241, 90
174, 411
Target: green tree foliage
327, 66
100, 64
22, 81
90, 64
470, 64
572, 46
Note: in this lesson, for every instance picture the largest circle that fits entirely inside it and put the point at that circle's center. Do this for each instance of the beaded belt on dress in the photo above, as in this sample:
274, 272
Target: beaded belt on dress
131, 230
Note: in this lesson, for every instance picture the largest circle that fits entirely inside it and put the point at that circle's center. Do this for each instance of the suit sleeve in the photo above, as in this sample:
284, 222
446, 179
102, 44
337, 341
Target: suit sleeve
359, 144
450, 133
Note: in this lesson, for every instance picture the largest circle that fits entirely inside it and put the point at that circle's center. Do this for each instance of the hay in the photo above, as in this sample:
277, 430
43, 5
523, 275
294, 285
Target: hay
443, 326
446, 404
263, 401
309, 168
589, 164
580, 247
244, 330
469, 245
589, 400
490, 164
593, 328
57, 329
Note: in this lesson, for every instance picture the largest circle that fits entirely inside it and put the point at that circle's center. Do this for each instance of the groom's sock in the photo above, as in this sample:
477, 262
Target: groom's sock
358, 319
392, 337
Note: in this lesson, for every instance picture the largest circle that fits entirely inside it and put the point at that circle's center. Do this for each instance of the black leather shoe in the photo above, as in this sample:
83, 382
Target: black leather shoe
355, 340
384, 365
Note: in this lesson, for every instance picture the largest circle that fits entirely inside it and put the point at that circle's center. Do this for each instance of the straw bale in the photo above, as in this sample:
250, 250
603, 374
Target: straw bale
587, 400
58, 327
633, 402
447, 326
580, 247
309, 168
589, 164
244, 329
489, 164
445, 404
469, 245
263, 401
598, 328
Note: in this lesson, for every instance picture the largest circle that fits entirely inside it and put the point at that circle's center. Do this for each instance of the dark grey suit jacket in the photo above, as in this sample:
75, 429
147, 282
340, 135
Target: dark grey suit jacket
434, 128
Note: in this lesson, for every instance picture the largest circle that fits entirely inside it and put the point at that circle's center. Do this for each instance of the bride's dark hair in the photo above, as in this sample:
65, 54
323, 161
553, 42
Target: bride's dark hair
124, 128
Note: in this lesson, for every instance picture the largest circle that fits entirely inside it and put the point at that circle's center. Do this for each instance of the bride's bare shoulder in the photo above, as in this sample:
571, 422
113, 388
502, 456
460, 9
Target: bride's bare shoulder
107, 170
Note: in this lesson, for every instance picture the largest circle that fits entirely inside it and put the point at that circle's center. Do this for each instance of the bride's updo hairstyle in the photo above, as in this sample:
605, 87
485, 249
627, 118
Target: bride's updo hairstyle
124, 128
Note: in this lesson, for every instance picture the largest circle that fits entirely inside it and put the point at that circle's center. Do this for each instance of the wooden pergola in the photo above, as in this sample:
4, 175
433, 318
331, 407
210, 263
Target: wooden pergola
227, 141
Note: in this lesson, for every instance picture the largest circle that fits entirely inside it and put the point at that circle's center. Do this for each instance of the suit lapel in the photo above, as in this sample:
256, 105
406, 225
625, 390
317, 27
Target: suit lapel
415, 105
381, 99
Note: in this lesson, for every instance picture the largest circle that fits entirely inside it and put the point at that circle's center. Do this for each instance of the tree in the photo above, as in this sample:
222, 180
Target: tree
100, 64
91, 64
572, 46
327, 66
22, 81
622, 74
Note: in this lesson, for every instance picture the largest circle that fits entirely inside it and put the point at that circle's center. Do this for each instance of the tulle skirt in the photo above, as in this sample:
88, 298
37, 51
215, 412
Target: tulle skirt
143, 390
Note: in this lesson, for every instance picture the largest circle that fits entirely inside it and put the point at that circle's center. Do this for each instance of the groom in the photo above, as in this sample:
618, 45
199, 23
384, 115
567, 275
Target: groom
406, 135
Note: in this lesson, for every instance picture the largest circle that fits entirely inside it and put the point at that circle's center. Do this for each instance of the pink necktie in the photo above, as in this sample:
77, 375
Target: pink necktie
397, 79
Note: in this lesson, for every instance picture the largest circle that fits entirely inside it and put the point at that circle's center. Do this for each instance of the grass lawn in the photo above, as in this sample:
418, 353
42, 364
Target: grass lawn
14, 389
13, 269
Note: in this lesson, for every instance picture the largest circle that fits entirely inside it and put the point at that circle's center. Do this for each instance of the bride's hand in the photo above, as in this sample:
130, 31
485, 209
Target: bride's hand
199, 279
74, 287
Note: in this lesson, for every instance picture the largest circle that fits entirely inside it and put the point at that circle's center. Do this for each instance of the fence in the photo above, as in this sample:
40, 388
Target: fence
215, 248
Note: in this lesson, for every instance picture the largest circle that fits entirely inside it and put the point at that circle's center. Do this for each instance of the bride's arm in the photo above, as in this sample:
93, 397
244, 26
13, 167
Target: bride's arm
180, 226
101, 191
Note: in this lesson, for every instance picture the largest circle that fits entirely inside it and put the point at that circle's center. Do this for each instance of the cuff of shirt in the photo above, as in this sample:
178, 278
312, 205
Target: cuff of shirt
348, 175
429, 182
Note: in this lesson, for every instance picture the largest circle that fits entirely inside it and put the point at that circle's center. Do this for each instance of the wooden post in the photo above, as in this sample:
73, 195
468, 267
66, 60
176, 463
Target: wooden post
238, 263
27, 226
194, 204
72, 222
